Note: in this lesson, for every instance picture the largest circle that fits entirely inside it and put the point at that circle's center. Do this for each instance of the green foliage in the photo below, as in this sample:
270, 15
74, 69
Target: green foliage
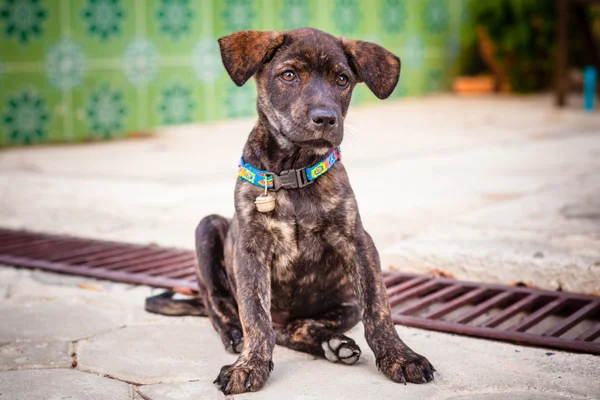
523, 32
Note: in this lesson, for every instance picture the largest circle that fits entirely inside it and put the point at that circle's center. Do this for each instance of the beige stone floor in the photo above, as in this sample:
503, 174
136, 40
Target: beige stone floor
499, 189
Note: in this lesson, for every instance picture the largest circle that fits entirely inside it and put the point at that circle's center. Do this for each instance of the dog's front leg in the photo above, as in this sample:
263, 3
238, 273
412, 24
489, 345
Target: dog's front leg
394, 358
252, 275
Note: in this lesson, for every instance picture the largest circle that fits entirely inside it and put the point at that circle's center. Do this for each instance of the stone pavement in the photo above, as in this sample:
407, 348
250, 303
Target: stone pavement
498, 189
58, 340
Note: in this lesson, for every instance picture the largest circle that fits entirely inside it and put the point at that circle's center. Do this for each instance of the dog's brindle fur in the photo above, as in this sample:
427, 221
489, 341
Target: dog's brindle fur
307, 268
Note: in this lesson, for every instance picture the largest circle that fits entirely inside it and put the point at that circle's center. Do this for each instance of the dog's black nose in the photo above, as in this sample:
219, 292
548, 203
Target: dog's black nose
323, 117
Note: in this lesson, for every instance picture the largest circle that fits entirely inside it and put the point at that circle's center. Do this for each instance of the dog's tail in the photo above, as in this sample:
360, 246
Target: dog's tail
165, 304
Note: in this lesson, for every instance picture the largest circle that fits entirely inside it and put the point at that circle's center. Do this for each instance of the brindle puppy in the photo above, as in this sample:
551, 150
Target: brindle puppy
308, 267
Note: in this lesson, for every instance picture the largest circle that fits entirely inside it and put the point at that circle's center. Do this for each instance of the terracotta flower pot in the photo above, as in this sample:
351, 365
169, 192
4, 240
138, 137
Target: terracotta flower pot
474, 84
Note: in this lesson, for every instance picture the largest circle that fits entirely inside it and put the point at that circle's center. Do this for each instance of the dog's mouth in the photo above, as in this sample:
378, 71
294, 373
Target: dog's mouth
315, 143
312, 143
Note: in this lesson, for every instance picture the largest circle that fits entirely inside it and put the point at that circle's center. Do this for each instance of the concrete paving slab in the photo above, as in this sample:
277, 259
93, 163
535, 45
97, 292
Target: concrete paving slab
156, 353
57, 320
204, 390
54, 384
550, 239
167, 354
348, 389
35, 355
34, 286
510, 395
8, 277
468, 368
4, 291
568, 207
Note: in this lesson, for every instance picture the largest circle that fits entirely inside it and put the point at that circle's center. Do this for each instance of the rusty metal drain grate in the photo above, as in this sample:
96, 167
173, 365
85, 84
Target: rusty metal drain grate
121, 262
516, 314
522, 315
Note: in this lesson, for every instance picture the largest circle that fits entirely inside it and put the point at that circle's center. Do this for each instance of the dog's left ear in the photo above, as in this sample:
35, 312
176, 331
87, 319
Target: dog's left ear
244, 52
374, 65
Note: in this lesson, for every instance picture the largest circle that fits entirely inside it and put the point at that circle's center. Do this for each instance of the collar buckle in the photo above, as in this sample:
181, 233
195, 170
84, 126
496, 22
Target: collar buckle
291, 179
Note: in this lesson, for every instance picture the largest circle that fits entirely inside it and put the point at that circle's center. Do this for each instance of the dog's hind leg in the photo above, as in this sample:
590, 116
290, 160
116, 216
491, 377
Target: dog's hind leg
322, 335
215, 289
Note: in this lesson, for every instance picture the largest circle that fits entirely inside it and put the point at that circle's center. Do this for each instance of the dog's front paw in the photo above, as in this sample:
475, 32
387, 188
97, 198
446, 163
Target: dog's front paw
404, 365
243, 376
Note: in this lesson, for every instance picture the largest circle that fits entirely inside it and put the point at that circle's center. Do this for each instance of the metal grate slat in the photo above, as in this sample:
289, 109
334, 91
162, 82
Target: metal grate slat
573, 320
162, 255
162, 265
510, 311
43, 250
165, 270
417, 300
107, 262
417, 280
86, 250
539, 315
430, 299
456, 303
95, 255
426, 286
591, 334
25, 245
483, 307
11, 245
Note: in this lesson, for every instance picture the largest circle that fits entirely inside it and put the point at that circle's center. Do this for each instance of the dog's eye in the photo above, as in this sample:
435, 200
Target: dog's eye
342, 80
288, 76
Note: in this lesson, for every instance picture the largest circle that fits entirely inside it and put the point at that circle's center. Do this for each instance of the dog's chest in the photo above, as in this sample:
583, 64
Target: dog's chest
298, 232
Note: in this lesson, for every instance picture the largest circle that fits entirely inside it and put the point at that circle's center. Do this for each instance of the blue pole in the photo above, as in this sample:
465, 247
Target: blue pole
589, 87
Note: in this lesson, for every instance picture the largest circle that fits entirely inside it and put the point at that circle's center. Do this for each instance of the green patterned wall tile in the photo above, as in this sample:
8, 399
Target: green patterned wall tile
434, 80
107, 106
27, 27
434, 16
235, 15
393, 17
26, 115
175, 26
362, 94
73, 70
177, 105
103, 27
412, 52
173, 19
65, 64
348, 17
2, 74
291, 14
108, 111
173, 100
206, 60
401, 89
239, 101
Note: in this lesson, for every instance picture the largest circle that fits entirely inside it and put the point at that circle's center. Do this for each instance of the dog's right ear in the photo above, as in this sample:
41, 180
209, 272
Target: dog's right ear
374, 65
243, 52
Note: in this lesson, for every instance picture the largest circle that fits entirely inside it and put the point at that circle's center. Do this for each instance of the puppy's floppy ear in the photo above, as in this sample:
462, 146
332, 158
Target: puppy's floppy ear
243, 52
375, 66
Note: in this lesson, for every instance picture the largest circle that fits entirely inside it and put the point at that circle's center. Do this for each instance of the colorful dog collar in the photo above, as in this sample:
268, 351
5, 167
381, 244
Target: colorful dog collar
288, 179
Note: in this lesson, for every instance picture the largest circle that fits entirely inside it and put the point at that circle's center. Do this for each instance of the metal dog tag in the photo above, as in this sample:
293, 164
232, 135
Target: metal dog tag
265, 202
